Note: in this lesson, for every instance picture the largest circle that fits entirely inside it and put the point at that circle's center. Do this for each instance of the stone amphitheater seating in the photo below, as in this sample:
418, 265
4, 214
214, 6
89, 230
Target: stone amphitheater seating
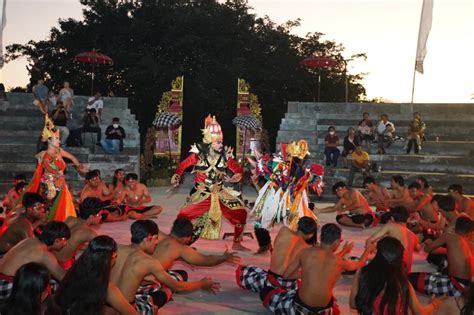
446, 157
21, 125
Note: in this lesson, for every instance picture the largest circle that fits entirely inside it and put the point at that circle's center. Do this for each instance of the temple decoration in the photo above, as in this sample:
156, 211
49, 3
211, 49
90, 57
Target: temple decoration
247, 105
168, 138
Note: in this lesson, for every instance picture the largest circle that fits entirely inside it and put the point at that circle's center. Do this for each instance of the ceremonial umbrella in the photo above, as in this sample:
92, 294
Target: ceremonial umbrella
167, 120
94, 58
318, 63
246, 122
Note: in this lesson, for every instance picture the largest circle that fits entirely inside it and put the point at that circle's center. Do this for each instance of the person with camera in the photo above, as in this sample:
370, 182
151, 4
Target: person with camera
114, 135
60, 117
91, 124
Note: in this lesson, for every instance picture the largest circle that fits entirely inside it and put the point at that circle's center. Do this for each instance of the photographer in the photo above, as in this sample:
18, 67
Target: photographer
115, 134
91, 124
60, 117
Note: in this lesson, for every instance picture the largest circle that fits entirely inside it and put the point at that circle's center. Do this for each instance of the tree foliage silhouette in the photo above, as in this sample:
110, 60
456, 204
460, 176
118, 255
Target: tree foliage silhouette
211, 43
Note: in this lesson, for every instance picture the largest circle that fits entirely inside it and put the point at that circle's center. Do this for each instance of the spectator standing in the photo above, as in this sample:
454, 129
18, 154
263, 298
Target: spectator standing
385, 130
351, 141
331, 151
60, 117
40, 92
66, 96
114, 135
366, 131
360, 163
97, 103
52, 98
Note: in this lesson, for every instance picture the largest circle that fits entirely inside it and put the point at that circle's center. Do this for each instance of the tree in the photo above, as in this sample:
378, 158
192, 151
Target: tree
210, 43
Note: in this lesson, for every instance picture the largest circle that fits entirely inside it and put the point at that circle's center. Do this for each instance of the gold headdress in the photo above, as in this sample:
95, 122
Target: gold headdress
298, 149
48, 130
212, 131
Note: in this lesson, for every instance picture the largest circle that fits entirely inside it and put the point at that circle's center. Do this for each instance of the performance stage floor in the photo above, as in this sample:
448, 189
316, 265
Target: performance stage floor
232, 299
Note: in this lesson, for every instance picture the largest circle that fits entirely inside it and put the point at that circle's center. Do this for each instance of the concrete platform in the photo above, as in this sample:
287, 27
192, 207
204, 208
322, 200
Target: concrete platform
231, 299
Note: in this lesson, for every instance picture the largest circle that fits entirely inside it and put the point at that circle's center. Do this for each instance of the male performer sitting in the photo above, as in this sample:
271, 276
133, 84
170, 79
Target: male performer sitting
397, 228
355, 208
320, 267
286, 247
81, 234
175, 246
53, 237
134, 262
460, 262
377, 196
463, 204
135, 196
400, 197
95, 187
24, 224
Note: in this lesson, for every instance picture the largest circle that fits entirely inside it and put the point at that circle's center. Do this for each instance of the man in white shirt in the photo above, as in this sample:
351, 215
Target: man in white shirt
97, 103
385, 130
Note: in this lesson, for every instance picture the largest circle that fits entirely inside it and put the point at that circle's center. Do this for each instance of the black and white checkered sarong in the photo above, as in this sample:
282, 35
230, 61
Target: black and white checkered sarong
6, 287
255, 278
286, 302
143, 304
438, 284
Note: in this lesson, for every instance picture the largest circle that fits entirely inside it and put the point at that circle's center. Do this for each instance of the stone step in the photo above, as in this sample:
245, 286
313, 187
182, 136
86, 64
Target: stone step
439, 181
421, 163
433, 111
28, 134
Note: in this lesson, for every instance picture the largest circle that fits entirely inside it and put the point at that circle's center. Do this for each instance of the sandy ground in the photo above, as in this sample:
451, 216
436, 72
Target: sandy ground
231, 299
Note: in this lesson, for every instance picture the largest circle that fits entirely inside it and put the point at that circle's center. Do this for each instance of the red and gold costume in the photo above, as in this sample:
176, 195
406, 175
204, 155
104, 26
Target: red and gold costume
49, 179
209, 200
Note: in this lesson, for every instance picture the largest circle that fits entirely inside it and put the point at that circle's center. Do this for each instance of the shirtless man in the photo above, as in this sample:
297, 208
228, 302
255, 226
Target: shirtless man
320, 267
24, 225
422, 207
81, 235
460, 262
134, 263
357, 212
446, 206
175, 246
12, 199
400, 197
397, 228
118, 183
463, 204
135, 196
377, 196
286, 247
40, 249
95, 187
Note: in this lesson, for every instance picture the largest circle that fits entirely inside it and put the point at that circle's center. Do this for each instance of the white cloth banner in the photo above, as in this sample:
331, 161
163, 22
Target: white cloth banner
425, 27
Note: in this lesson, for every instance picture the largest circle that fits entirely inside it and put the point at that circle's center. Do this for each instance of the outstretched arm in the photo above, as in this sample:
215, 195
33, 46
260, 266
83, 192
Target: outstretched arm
195, 258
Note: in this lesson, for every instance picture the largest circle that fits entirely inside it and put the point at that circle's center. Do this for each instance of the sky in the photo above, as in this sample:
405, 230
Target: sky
386, 30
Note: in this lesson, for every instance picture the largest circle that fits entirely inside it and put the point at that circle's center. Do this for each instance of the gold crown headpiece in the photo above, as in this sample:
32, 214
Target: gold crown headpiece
212, 131
49, 130
298, 149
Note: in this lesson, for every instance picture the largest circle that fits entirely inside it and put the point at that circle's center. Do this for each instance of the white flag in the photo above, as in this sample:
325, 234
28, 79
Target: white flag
425, 27
3, 22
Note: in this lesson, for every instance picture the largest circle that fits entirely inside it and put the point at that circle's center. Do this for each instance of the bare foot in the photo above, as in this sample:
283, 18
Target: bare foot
239, 247
264, 250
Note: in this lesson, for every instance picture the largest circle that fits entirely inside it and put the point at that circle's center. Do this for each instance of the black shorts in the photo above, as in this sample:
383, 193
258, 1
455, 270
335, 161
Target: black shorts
367, 219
